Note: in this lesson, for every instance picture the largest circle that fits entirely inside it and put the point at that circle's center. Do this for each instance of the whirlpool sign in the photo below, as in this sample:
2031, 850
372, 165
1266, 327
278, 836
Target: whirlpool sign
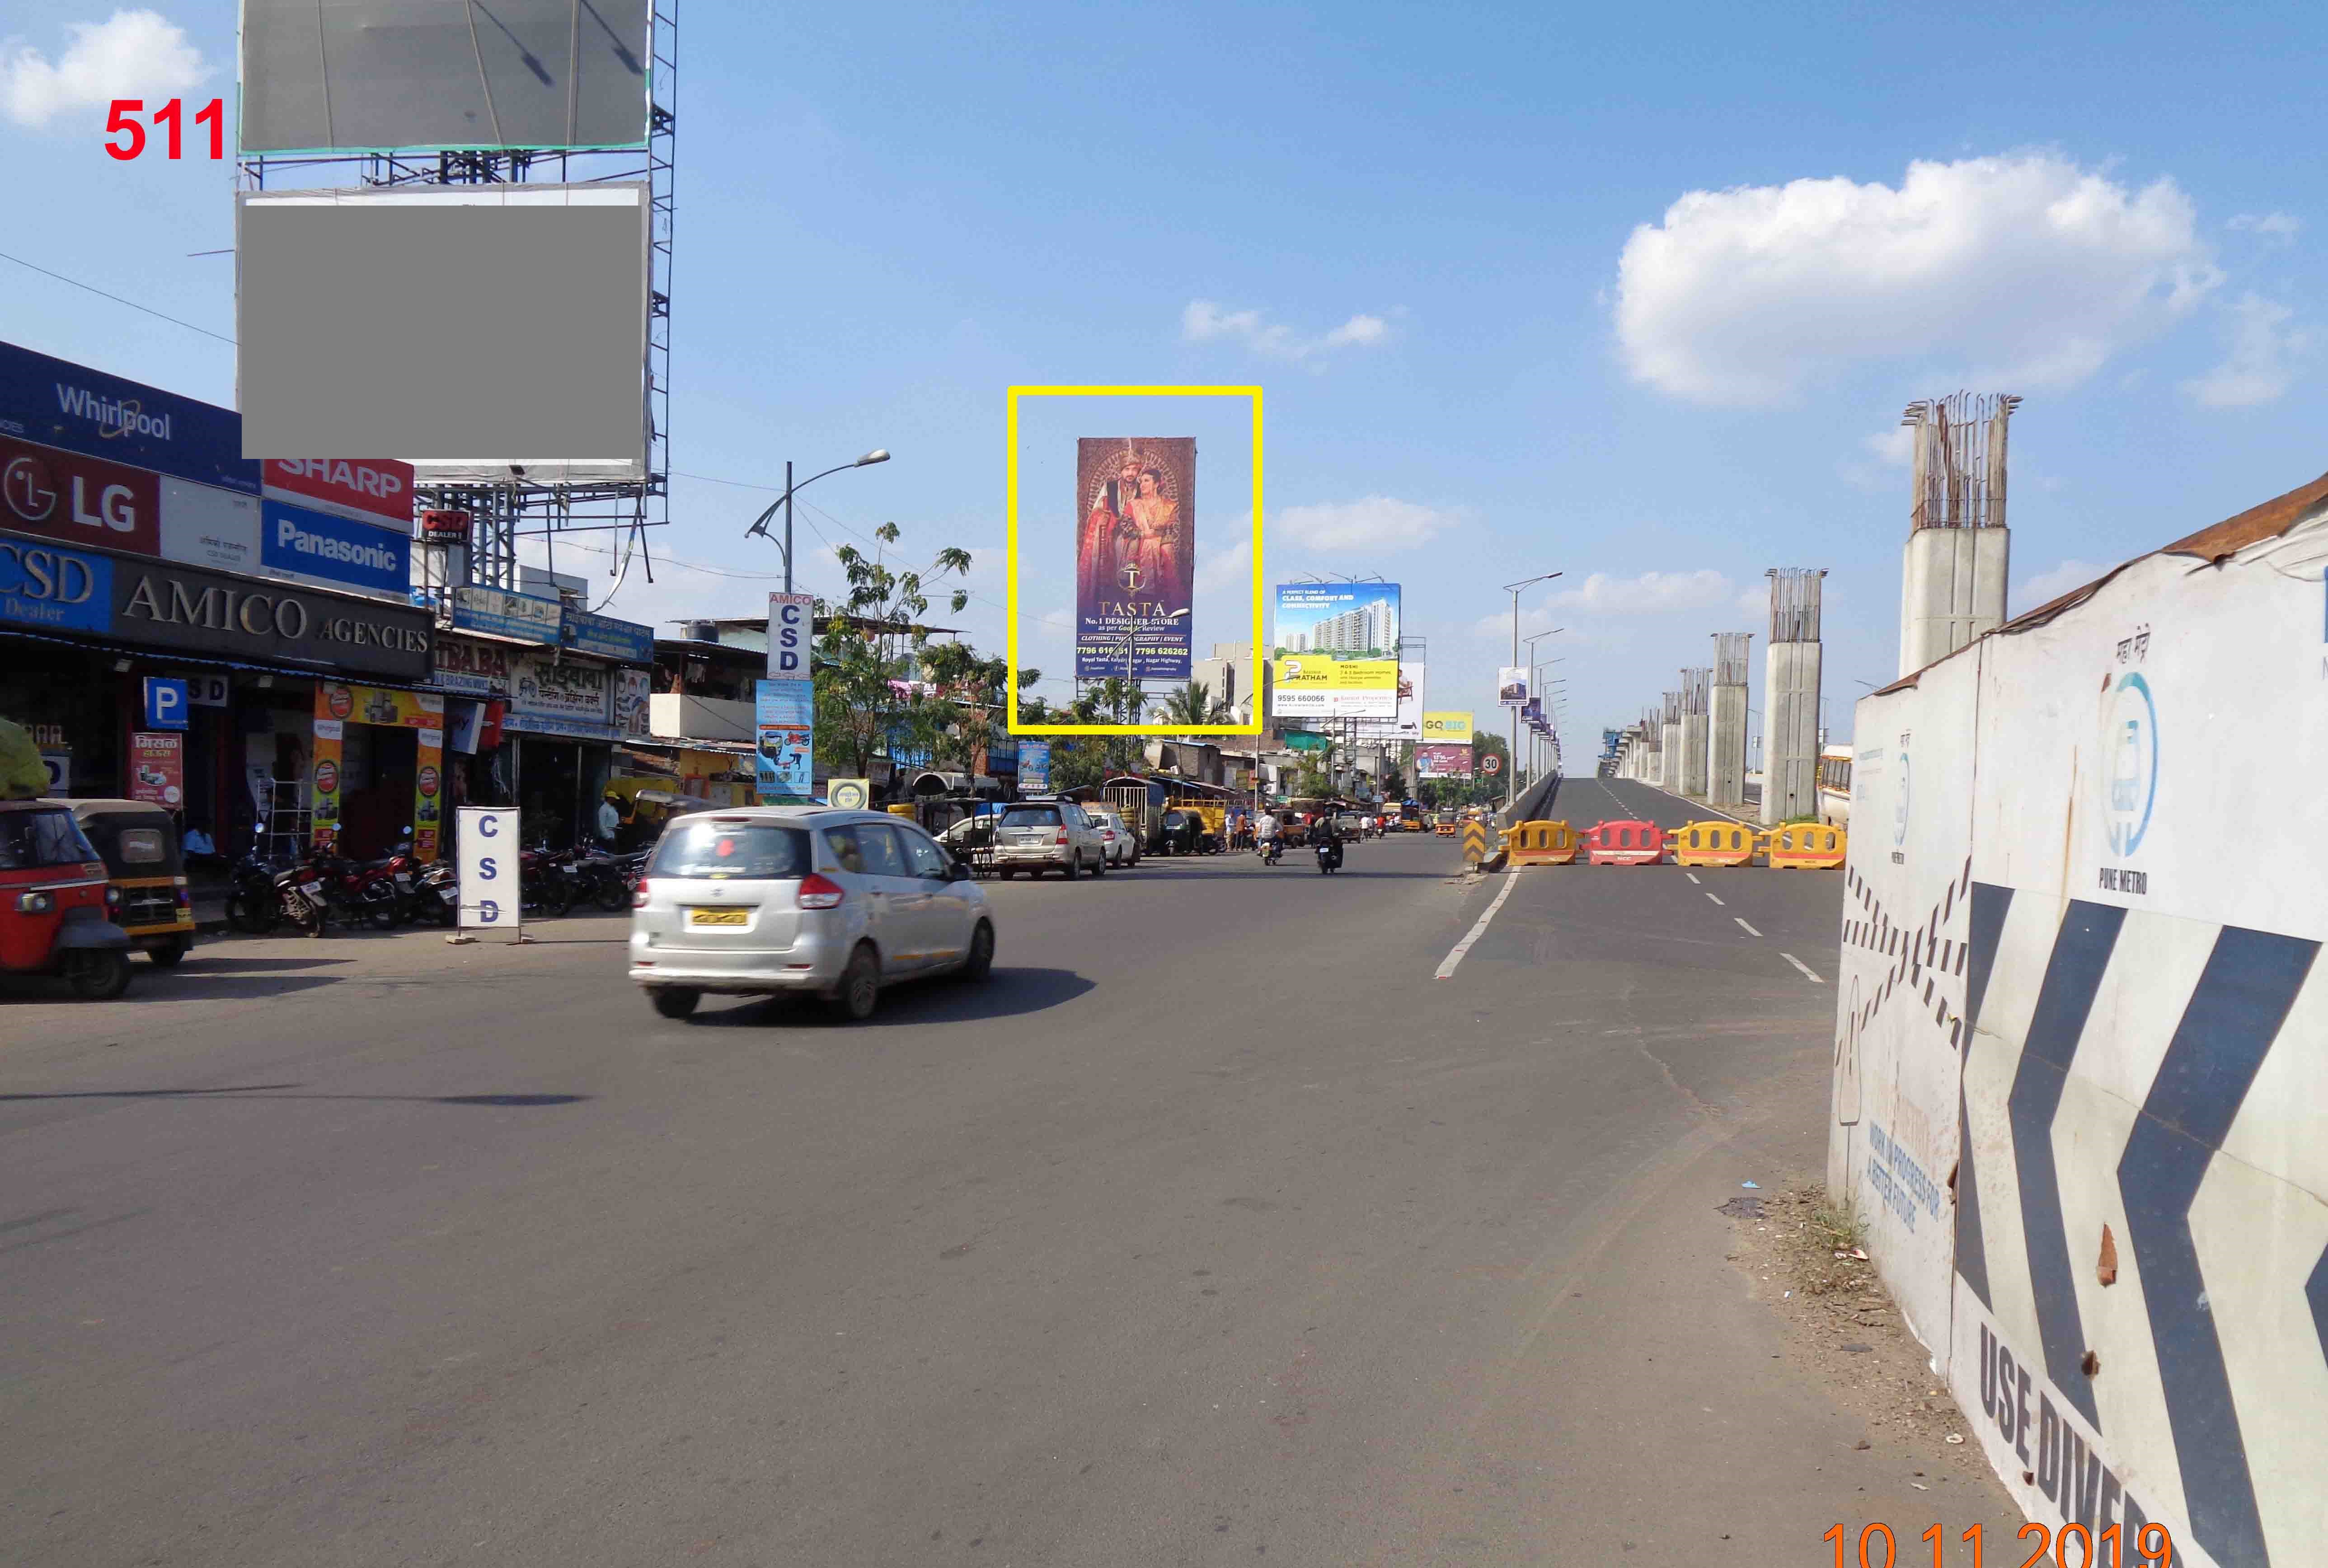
345, 554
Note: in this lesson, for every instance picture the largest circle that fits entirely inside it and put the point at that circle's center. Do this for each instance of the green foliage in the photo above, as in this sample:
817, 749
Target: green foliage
868, 652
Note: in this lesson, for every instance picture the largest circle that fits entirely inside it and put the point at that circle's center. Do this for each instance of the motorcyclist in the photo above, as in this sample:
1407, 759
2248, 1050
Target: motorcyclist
1266, 837
1328, 837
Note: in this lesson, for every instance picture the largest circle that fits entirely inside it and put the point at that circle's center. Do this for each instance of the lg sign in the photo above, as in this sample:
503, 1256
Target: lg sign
65, 496
377, 488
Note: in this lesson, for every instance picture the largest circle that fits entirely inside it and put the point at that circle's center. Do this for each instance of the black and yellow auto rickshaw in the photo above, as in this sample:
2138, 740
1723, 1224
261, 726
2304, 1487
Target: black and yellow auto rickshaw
139, 842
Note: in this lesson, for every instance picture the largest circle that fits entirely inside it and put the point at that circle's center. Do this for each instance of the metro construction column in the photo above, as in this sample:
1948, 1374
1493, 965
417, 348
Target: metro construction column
1725, 761
1669, 744
1694, 684
1790, 696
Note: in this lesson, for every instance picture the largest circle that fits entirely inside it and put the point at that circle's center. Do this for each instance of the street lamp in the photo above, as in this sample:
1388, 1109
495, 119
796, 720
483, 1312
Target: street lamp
1512, 789
760, 526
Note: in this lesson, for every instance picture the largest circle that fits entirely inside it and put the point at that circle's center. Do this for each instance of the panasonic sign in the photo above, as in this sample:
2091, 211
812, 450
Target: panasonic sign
296, 542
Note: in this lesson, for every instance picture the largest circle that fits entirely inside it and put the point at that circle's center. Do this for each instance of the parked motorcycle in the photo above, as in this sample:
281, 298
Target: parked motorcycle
302, 897
546, 881
603, 879
253, 902
436, 893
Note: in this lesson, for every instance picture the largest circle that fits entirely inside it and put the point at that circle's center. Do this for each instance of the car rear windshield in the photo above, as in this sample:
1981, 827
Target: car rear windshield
31, 839
1032, 816
697, 847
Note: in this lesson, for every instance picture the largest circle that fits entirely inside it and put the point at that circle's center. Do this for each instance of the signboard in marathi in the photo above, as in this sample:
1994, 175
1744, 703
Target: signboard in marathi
633, 688
465, 665
1135, 556
505, 614
157, 768
1336, 650
552, 698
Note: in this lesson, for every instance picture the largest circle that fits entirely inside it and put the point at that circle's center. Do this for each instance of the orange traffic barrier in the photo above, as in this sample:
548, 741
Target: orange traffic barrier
1805, 846
1542, 843
1624, 843
1714, 843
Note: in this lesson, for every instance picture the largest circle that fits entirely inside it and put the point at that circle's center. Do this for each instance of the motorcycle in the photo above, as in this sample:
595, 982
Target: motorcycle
1329, 856
436, 893
546, 881
363, 891
253, 903
302, 897
605, 879
1271, 851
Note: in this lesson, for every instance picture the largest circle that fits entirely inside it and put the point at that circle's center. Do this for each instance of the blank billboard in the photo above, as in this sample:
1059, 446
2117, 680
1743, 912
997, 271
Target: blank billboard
462, 328
411, 75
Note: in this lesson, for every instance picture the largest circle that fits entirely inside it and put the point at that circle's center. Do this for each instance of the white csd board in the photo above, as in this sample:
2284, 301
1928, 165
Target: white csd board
486, 862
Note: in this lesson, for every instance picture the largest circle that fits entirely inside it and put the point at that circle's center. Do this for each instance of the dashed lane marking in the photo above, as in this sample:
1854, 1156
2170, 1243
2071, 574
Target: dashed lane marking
1806, 968
1749, 930
1693, 876
1447, 966
1717, 900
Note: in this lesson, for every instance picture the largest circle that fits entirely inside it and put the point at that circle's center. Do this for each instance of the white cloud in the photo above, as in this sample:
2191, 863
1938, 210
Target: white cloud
2258, 367
1202, 322
2049, 585
1225, 569
2023, 269
1649, 592
129, 54
2269, 224
1369, 523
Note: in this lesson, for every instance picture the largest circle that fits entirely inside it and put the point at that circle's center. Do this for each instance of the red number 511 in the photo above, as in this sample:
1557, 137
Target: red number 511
212, 114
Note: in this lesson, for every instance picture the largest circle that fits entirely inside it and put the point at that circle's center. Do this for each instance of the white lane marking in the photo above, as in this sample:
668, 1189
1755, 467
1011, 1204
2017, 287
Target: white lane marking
1806, 968
1749, 930
1446, 967
1693, 876
1717, 900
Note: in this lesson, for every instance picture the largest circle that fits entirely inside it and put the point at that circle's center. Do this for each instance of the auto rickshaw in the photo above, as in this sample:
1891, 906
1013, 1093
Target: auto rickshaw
138, 841
55, 899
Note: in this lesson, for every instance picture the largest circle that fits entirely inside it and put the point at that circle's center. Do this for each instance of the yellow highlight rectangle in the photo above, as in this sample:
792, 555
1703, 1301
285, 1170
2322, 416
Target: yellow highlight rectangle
1011, 555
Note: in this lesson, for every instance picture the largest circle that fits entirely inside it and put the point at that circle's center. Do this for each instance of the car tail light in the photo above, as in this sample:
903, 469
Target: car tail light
1063, 836
819, 892
639, 895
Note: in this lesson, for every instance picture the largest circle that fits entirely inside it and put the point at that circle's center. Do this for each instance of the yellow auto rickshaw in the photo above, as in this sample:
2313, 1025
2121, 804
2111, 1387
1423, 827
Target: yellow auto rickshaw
139, 843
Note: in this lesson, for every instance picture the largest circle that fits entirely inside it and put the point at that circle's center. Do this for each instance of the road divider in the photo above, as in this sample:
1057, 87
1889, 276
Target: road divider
1714, 843
1805, 846
1542, 843
1624, 843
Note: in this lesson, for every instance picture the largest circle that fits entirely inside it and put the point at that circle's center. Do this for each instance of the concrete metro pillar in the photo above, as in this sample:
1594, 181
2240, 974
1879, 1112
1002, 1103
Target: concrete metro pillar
1669, 757
1693, 729
1951, 591
1725, 747
1790, 731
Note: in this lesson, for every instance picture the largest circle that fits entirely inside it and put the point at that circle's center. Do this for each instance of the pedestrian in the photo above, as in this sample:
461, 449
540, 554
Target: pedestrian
610, 821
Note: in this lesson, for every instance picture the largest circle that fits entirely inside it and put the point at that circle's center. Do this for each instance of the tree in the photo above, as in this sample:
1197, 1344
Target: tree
1191, 704
864, 661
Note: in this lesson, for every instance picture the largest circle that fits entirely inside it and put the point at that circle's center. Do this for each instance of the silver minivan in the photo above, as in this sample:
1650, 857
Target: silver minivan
771, 898
1039, 836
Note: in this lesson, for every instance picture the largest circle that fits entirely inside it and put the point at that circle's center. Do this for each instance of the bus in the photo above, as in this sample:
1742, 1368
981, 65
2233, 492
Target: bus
1835, 786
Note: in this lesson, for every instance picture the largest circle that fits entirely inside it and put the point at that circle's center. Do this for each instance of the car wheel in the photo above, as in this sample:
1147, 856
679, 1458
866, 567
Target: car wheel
1099, 866
859, 990
1068, 871
167, 958
1007, 873
674, 1001
980, 962
100, 976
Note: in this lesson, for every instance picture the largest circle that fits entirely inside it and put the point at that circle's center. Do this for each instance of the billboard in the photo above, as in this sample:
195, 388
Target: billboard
792, 628
339, 552
367, 325
1135, 556
1512, 686
1443, 760
1447, 725
1033, 767
1335, 652
377, 489
378, 76
84, 501
784, 752
1408, 725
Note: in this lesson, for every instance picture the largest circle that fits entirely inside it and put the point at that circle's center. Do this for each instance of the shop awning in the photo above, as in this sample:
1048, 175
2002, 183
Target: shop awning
303, 672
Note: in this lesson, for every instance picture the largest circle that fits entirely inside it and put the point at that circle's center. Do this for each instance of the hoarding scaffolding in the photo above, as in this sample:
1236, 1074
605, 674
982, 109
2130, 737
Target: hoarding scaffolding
498, 511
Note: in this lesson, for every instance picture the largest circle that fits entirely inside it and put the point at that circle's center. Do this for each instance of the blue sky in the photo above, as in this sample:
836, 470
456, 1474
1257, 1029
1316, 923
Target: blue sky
1637, 297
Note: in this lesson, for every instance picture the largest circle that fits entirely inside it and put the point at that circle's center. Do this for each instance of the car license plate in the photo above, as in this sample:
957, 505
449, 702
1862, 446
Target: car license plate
718, 917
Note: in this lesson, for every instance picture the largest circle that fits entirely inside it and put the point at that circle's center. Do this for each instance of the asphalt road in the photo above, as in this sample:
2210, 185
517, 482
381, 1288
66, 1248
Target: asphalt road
1214, 1229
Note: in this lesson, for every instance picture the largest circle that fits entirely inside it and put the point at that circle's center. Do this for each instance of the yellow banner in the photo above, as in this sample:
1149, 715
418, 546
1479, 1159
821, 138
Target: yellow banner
1319, 672
1447, 726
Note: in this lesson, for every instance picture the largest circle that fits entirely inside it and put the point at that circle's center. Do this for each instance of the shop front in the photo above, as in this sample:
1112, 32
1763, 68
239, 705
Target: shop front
562, 716
380, 766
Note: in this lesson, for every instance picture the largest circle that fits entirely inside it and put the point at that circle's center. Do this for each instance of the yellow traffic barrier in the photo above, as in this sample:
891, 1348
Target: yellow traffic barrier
1805, 846
1714, 844
1475, 842
1542, 843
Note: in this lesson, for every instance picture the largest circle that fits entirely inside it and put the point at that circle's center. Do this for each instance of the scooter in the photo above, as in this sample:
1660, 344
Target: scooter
1329, 856
1271, 851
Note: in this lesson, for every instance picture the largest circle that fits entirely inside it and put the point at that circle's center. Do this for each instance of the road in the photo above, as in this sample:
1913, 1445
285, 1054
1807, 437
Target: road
1215, 1230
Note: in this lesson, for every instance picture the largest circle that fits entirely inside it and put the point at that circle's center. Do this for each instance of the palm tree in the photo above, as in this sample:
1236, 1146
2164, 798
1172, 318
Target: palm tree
1190, 704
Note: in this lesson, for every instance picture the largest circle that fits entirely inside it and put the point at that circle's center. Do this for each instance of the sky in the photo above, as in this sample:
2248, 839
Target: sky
1634, 297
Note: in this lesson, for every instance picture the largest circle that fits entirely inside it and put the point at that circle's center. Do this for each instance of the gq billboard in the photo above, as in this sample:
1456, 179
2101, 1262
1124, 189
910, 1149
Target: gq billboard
1336, 650
1446, 727
1135, 556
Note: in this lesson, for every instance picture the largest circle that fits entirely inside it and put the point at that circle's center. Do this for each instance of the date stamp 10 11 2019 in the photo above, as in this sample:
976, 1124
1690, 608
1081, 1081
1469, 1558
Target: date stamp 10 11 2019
2045, 1546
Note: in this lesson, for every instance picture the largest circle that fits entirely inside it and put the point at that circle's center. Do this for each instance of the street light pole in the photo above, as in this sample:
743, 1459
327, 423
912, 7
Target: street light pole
1512, 784
760, 525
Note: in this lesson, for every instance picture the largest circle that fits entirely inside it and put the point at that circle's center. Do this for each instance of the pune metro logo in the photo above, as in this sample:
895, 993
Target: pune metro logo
2128, 777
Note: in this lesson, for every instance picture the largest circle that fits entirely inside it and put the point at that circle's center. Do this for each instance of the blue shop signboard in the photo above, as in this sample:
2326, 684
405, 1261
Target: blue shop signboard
505, 614
68, 406
44, 586
608, 637
336, 550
